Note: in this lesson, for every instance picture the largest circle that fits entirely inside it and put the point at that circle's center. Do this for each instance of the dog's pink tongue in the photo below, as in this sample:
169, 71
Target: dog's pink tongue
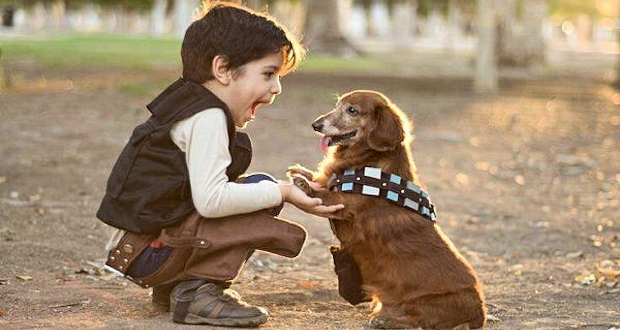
325, 143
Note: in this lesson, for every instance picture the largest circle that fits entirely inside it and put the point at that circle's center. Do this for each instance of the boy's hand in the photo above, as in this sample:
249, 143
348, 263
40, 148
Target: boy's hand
295, 196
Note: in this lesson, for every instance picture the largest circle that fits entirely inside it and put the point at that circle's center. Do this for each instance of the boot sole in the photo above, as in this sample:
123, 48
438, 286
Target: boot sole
229, 322
160, 308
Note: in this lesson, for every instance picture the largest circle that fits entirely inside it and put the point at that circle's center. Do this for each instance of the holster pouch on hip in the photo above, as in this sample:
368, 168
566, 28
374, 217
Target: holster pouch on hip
129, 247
221, 246
350, 282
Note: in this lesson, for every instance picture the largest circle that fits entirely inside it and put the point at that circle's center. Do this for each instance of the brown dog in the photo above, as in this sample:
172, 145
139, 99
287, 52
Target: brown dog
411, 269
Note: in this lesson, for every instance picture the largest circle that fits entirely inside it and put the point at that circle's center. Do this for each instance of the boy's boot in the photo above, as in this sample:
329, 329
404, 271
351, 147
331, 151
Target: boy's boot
203, 302
160, 299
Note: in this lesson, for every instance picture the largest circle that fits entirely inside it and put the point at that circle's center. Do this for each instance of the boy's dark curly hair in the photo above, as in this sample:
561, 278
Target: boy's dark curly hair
241, 35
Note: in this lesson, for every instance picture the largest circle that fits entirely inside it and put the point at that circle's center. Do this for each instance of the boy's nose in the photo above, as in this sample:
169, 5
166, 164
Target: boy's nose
276, 88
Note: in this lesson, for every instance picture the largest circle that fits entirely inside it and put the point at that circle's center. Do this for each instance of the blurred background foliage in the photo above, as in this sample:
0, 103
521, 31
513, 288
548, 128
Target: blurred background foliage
339, 33
601, 8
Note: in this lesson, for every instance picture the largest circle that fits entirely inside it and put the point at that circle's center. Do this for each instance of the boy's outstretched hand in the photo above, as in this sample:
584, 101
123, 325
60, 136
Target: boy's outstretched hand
292, 194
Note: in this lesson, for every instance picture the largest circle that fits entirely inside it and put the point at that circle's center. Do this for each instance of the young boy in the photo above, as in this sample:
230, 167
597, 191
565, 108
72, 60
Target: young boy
189, 222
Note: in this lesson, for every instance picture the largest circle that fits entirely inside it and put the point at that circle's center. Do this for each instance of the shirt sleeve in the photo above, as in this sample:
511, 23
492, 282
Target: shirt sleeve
204, 139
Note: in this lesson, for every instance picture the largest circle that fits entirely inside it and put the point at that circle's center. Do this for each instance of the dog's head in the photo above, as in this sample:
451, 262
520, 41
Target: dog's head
364, 116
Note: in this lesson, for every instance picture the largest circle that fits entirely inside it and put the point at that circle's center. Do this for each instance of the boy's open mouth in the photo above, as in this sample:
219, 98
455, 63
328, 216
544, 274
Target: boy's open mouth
255, 106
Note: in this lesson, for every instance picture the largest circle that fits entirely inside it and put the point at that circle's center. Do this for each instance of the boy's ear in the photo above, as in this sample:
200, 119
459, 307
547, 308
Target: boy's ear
220, 70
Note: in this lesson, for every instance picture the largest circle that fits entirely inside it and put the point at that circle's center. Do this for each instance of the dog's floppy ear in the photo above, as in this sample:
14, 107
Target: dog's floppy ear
387, 132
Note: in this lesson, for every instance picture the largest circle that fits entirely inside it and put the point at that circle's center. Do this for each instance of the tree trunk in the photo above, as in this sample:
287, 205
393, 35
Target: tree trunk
57, 15
520, 37
8, 13
3, 83
322, 29
616, 83
404, 22
485, 76
39, 17
455, 22
182, 15
158, 17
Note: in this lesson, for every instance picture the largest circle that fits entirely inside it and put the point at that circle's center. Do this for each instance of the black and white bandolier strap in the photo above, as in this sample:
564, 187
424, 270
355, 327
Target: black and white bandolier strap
371, 181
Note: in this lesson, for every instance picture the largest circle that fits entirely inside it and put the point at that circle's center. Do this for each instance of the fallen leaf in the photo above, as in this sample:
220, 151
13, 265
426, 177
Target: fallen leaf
2, 313
4, 281
520, 180
2, 179
606, 268
585, 279
493, 318
462, 179
482, 166
24, 277
517, 269
541, 224
573, 255
82, 271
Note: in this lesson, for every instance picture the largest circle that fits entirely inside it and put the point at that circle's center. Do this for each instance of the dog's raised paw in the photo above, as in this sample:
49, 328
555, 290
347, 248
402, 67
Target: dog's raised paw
298, 170
303, 184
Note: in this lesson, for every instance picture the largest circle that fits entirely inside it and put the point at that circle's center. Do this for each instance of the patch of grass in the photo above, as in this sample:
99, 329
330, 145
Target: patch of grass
323, 63
143, 88
137, 52
96, 50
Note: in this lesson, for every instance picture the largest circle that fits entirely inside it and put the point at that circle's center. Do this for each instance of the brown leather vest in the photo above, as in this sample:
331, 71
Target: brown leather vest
149, 188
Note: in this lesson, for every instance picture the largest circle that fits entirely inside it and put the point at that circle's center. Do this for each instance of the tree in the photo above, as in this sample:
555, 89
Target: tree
322, 29
3, 82
183, 15
485, 76
616, 83
158, 16
520, 32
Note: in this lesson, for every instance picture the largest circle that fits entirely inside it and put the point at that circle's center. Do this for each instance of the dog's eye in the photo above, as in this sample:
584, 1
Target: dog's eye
352, 111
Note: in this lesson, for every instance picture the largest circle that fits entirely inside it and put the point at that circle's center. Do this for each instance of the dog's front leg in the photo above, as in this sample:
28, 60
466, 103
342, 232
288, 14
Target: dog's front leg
297, 170
328, 198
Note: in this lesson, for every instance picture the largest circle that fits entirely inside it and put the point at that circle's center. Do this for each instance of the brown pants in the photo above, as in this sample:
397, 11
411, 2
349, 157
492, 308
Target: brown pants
211, 248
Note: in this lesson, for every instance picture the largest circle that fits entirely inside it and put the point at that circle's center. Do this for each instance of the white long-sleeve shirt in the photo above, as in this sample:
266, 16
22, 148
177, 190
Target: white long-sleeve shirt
204, 139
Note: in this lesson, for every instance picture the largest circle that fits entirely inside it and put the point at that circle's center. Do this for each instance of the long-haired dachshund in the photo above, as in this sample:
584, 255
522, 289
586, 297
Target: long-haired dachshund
410, 268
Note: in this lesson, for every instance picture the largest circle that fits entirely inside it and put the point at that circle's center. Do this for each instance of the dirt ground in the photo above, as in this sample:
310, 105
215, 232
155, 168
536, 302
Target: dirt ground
526, 181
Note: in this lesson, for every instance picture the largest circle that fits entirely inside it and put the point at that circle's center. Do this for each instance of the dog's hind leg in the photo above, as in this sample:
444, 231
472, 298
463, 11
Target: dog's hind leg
391, 317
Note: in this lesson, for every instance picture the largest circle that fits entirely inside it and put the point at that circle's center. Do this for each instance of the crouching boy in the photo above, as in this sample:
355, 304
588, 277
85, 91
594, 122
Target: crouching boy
188, 219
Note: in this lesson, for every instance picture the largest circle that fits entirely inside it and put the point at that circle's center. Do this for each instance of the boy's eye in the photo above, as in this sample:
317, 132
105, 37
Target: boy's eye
269, 74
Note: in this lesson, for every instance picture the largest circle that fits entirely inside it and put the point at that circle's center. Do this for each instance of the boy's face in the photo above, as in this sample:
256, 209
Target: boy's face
256, 83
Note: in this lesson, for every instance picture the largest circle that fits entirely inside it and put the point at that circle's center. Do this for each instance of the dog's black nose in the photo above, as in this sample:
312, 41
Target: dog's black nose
317, 126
